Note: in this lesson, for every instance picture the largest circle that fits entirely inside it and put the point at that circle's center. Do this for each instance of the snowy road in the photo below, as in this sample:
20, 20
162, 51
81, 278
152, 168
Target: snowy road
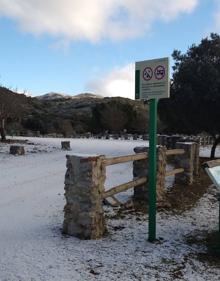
30, 188
31, 203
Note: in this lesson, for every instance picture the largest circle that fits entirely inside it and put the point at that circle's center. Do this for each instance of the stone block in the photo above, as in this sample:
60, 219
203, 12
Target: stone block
65, 145
17, 150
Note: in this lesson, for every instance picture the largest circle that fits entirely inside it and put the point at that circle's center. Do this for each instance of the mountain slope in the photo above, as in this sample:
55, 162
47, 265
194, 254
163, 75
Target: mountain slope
68, 115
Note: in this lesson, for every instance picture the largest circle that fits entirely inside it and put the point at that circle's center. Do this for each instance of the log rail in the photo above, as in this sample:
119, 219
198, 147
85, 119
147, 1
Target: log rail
124, 159
175, 152
137, 182
124, 187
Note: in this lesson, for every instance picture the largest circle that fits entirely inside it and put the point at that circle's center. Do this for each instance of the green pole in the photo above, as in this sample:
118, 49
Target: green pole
219, 222
152, 170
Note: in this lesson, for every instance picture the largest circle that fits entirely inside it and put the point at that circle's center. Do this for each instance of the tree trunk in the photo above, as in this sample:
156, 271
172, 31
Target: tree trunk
2, 130
216, 142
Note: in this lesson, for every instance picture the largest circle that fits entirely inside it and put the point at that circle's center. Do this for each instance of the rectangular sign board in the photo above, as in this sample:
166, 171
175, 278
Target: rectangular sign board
152, 79
214, 174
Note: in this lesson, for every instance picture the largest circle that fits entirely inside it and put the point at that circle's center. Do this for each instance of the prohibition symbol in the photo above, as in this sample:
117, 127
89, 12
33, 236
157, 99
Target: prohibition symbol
147, 73
159, 72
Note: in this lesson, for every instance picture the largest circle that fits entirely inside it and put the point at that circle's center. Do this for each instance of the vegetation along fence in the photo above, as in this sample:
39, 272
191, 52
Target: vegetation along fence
85, 179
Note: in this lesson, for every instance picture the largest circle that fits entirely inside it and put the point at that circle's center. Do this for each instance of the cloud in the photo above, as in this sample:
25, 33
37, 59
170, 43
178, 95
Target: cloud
217, 19
119, 82
92, 20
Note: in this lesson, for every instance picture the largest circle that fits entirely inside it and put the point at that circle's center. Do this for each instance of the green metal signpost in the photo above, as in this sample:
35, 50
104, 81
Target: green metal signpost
152, 170
152, 83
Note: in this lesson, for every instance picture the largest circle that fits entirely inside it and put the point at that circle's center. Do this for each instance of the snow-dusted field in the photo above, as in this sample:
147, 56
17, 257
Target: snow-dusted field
32, 247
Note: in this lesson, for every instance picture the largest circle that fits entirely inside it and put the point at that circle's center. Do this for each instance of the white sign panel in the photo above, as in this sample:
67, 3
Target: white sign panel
152, 79
214, 174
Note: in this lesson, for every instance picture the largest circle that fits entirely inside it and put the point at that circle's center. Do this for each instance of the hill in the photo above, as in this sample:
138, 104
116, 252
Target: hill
69, 115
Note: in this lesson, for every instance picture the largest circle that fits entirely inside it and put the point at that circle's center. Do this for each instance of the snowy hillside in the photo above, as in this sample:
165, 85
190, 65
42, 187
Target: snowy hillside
55, 96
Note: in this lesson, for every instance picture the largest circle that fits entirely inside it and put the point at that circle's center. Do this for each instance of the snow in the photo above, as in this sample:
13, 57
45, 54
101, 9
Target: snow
205, 151
33, 248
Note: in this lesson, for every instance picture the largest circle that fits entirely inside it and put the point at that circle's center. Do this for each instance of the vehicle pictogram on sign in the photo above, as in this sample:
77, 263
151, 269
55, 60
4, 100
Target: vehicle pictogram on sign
147, 73
159, 72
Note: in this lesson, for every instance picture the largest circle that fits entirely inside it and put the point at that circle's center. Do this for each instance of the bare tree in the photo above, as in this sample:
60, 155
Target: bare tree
11, 105
2, 120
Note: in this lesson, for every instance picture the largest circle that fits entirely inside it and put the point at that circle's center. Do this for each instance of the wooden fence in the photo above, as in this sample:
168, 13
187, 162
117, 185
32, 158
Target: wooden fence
141, 181
85, 179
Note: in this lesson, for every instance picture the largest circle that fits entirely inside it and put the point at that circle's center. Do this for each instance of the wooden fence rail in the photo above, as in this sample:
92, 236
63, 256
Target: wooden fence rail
175, 152
174, 172
138, 156
124, 187
123, 159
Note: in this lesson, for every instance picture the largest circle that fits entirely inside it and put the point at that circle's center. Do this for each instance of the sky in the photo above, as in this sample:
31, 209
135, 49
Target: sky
77, 46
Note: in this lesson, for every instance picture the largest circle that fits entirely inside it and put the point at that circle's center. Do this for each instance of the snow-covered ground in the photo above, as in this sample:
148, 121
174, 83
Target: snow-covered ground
32, 247
205, 151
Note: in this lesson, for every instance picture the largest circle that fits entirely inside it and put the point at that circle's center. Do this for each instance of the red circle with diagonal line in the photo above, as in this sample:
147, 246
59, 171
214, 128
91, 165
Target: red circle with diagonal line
159, 72
147, 73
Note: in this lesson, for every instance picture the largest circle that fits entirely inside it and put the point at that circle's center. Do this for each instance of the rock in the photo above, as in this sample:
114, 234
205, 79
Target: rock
17, 150
65, 145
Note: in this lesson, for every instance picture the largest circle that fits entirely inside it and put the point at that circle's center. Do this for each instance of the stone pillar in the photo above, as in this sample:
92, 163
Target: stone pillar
169, 142
163, 140
159, 139
197, 139
207, 140
174, 140
145, 137
37, 133
65, 145
84, 186
125, 136
141, 169
185, 161
202, 141
135, 137
17, 150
